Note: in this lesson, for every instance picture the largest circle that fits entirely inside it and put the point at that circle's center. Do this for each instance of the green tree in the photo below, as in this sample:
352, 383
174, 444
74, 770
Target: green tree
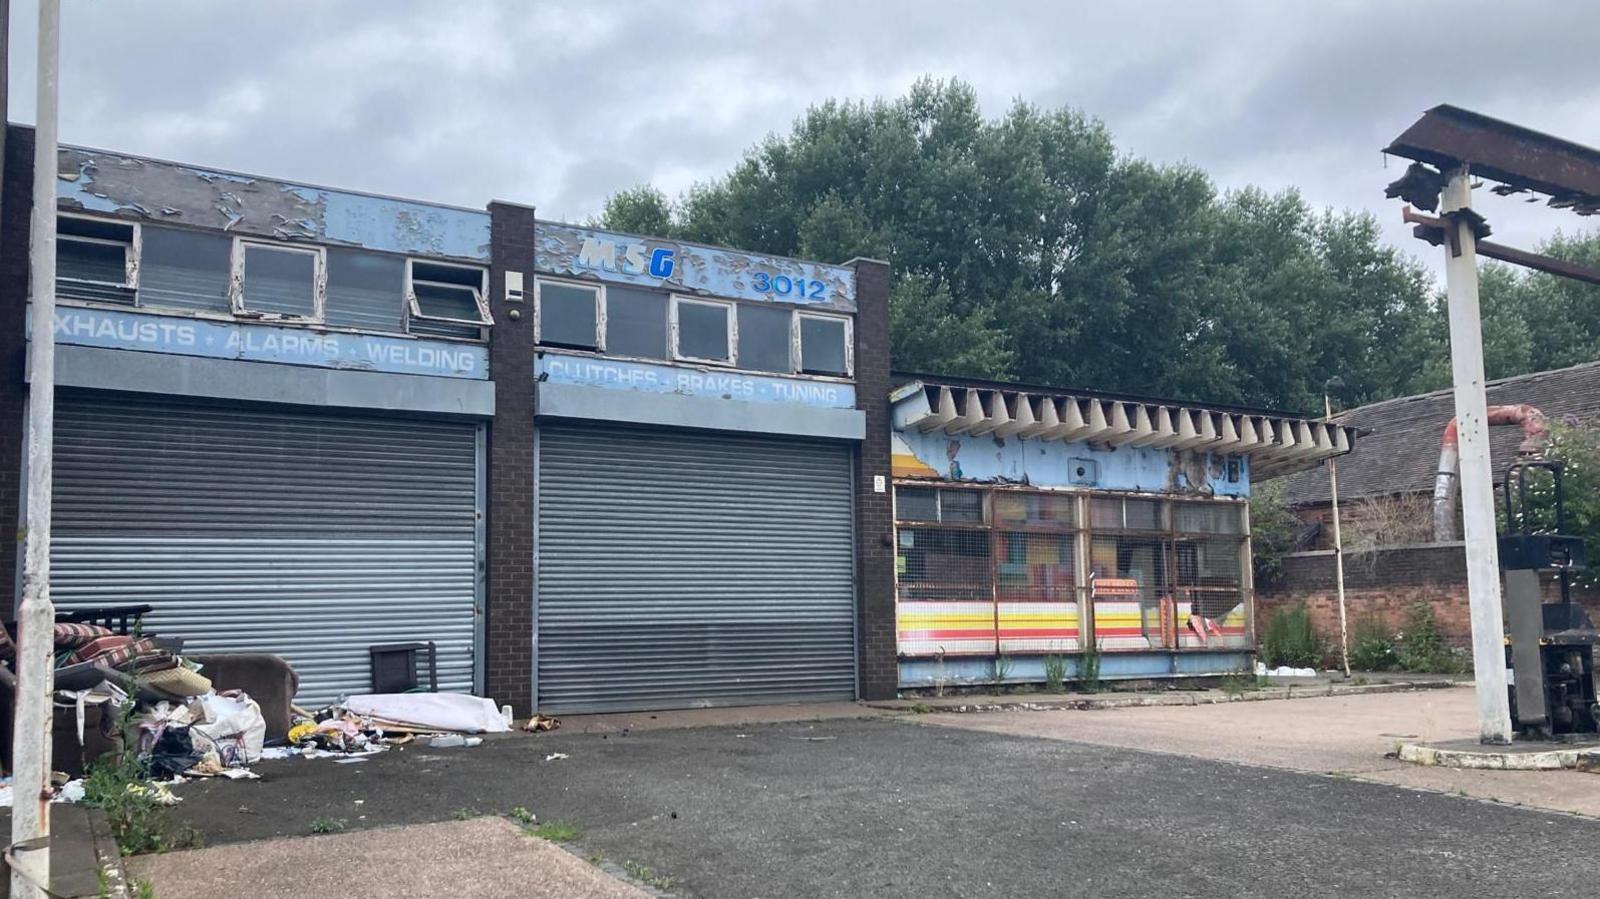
1027, 246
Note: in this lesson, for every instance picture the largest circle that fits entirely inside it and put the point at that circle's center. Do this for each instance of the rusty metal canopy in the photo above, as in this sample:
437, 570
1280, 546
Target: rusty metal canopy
1522, 159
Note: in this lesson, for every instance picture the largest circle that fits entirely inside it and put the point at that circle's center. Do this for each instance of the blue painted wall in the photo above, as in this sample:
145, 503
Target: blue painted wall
1051, 463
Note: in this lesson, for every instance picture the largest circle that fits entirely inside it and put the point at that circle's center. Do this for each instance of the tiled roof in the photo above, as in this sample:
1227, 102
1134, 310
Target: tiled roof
1398, 451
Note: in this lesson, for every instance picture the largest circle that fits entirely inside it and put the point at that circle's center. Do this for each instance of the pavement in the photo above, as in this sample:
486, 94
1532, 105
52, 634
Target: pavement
1345, 736
484, 857
1193, 801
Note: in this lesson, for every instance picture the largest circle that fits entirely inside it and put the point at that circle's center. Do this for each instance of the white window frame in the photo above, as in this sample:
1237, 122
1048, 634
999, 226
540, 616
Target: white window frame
798, 349
733, 330
319, 278
599, 288
480, 294
130, 250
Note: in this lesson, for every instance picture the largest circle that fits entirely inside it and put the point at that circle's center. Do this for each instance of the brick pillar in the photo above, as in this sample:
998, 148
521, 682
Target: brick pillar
874, 514
16, 208
509, 630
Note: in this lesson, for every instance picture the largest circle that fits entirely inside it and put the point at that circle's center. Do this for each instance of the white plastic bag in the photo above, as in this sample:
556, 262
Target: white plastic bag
232, 726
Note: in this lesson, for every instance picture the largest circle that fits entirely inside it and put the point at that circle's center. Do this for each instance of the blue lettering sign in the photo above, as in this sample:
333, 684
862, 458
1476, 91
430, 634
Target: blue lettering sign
650, 378
115, 329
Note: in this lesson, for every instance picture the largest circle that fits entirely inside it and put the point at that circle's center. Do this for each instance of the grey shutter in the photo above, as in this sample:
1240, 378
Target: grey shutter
307, 534
684, 569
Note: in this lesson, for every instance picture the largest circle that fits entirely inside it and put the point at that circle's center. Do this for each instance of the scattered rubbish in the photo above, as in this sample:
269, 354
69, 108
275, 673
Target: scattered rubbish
741, 736
813, 739
450, 712
352, 760
507, 715
1284, 671
473, 741
448, 741
556, 756
541, 722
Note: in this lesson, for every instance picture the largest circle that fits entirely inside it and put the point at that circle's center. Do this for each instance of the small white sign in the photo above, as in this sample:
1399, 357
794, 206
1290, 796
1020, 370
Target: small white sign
879, 484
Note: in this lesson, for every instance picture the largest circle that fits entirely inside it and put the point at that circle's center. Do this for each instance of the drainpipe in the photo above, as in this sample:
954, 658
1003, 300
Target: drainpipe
1446, 485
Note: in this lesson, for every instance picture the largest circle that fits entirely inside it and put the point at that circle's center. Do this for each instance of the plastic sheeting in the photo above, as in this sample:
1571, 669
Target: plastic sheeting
431, 711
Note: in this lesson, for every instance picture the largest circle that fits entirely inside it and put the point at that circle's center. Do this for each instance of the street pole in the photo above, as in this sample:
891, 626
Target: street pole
1338, 545
30, 816
1477, 479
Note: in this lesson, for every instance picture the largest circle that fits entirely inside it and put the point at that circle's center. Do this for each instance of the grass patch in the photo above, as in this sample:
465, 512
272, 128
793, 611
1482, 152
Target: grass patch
465, 814
1238, 683
521, 815
1002, 672
920, 708
647, 875
118, 784
1089, 669
328, 825
555, 831
1291, 640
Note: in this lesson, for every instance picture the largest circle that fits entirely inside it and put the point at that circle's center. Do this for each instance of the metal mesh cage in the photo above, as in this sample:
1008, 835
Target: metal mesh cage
1035, 567
944, 564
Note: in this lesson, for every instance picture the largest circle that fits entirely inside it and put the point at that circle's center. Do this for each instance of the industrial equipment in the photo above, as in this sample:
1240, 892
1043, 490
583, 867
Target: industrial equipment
1550, 645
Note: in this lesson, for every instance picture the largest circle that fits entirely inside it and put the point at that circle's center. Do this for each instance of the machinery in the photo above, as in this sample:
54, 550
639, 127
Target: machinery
1550, 645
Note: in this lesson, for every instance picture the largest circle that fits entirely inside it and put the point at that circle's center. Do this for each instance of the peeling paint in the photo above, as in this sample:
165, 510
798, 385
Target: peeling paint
1052, 463
128, 186
561, 250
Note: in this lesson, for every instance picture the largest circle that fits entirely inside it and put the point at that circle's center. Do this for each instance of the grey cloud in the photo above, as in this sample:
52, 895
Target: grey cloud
561, 104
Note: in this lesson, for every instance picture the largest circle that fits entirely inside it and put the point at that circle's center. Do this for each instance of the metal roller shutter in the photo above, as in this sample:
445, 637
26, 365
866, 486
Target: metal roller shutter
303, 533
685, 569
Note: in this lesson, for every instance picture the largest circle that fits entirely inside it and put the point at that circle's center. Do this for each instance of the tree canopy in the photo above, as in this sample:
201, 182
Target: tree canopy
1027, 247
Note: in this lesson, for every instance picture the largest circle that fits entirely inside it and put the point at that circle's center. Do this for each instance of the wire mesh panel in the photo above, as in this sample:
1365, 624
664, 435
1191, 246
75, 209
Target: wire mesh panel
1131, 577
945, 590
1209, 590
1036, 587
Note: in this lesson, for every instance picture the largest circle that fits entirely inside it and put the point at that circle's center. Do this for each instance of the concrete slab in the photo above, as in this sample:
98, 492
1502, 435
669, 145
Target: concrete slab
1516, 757
1280, 688
482, 857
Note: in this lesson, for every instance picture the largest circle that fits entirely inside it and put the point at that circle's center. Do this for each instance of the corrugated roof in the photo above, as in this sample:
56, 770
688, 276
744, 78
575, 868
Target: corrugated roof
1399, 448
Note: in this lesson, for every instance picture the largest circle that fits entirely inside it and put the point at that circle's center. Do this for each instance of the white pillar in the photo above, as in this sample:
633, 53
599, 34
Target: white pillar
30, 814
1477, 478
1338, 545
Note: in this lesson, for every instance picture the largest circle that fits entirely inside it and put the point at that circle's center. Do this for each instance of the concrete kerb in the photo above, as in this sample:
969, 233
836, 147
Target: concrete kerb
1517, 757
1044, 703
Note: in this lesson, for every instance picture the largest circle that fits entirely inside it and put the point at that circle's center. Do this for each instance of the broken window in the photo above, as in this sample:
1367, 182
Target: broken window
96, 260
636, 322
824, 344
447, 300
765, 337
569, 314
703, 330
184, 269
365, 290
279, 281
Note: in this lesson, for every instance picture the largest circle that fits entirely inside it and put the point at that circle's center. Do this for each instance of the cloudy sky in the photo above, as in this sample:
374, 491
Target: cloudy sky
560, 104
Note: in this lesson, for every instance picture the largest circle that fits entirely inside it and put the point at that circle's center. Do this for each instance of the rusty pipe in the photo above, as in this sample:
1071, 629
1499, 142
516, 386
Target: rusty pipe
1447, 482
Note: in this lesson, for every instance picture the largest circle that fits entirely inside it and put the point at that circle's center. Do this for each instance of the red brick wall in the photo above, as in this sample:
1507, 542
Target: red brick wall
1384, 584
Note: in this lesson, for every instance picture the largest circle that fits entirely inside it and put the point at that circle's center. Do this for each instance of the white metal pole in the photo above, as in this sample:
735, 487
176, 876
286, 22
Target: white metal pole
1338, 546
1477, 480
30, 816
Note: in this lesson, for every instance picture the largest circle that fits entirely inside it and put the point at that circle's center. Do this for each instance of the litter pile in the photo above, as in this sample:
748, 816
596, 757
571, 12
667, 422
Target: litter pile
371, 723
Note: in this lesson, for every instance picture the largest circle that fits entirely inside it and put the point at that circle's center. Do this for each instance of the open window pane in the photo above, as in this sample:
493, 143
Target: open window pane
184, 269
446, 301
703, 332
83, 260
567, 315
822, 350
636, 323
280, 282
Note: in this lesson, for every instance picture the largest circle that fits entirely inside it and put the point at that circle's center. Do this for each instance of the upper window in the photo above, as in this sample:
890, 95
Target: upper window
96, 260
933, 504
824, 344
446, 300
702, 331
636, 323
569, 314
279, 281
765, 336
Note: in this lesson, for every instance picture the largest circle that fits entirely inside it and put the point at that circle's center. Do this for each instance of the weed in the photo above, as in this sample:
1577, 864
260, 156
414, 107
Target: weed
597, 859
1055, 673
328, 825
144, 889
1002, 672
465, 814
1089, 669
115, 784
1238, 683
1290, 640
920, 708
554, 831
1422, 646
1361, 680
522, 816
647, 876
1372, 646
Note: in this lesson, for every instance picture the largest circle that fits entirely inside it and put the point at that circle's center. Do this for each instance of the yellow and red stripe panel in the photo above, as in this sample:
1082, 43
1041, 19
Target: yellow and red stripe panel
1227, 632
1038, 627
1120, 624
945, 628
